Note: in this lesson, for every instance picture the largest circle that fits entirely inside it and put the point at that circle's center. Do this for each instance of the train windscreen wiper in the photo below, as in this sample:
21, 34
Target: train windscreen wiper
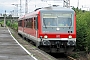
70, 25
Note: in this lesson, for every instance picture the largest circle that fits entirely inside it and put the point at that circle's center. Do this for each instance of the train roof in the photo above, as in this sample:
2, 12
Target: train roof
46, 9
55, 9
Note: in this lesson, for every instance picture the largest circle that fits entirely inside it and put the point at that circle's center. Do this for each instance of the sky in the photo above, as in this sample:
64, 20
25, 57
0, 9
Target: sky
32, 4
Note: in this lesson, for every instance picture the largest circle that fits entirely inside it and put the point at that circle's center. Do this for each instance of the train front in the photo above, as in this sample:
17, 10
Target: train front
58, 31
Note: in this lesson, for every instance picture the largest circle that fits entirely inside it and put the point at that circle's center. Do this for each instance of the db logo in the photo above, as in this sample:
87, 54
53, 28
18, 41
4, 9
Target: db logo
57, 36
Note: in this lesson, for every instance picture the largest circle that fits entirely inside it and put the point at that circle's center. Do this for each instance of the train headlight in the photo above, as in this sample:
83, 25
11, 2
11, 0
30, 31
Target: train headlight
70, 37
45, 36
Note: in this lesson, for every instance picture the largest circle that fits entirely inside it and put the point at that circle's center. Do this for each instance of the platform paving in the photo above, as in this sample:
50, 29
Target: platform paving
9, 49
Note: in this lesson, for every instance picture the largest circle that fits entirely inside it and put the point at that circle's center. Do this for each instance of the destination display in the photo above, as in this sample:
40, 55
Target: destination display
57, 15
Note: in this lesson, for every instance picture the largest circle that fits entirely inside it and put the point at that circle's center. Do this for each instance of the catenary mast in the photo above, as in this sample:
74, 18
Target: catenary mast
66, 3
26, 7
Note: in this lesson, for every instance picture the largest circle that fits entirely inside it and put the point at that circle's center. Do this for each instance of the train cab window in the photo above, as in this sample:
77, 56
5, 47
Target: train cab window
64, 22
49, 22
55, 19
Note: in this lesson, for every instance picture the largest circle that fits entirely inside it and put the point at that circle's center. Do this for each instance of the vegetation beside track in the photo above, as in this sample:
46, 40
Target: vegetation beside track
13, 25
83, 30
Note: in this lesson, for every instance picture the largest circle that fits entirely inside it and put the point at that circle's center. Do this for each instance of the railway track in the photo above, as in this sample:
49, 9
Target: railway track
70, 58
61, 56
67, 58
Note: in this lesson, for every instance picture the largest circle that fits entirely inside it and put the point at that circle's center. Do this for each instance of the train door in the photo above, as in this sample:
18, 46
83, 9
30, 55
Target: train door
35, 26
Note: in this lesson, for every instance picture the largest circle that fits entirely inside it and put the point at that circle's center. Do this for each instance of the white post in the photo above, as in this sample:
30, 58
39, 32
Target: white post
20, 8
78, 4
5, 19
26, 7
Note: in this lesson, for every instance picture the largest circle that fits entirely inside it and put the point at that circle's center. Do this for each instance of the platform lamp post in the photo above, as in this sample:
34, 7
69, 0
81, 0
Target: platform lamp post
5, 19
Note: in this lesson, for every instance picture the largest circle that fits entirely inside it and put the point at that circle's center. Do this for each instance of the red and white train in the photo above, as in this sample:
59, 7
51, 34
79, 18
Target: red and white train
52, 29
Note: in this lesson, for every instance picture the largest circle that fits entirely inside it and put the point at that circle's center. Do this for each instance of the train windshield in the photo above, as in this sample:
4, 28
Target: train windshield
57, 20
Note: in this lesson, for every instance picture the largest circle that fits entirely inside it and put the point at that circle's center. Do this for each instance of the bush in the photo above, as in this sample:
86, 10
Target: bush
13, 25
83, 30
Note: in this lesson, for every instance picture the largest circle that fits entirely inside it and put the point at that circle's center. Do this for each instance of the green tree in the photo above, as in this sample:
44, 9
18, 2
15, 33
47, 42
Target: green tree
81, 32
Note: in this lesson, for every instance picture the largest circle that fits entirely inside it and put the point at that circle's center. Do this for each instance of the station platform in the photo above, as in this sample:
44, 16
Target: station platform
10, 49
